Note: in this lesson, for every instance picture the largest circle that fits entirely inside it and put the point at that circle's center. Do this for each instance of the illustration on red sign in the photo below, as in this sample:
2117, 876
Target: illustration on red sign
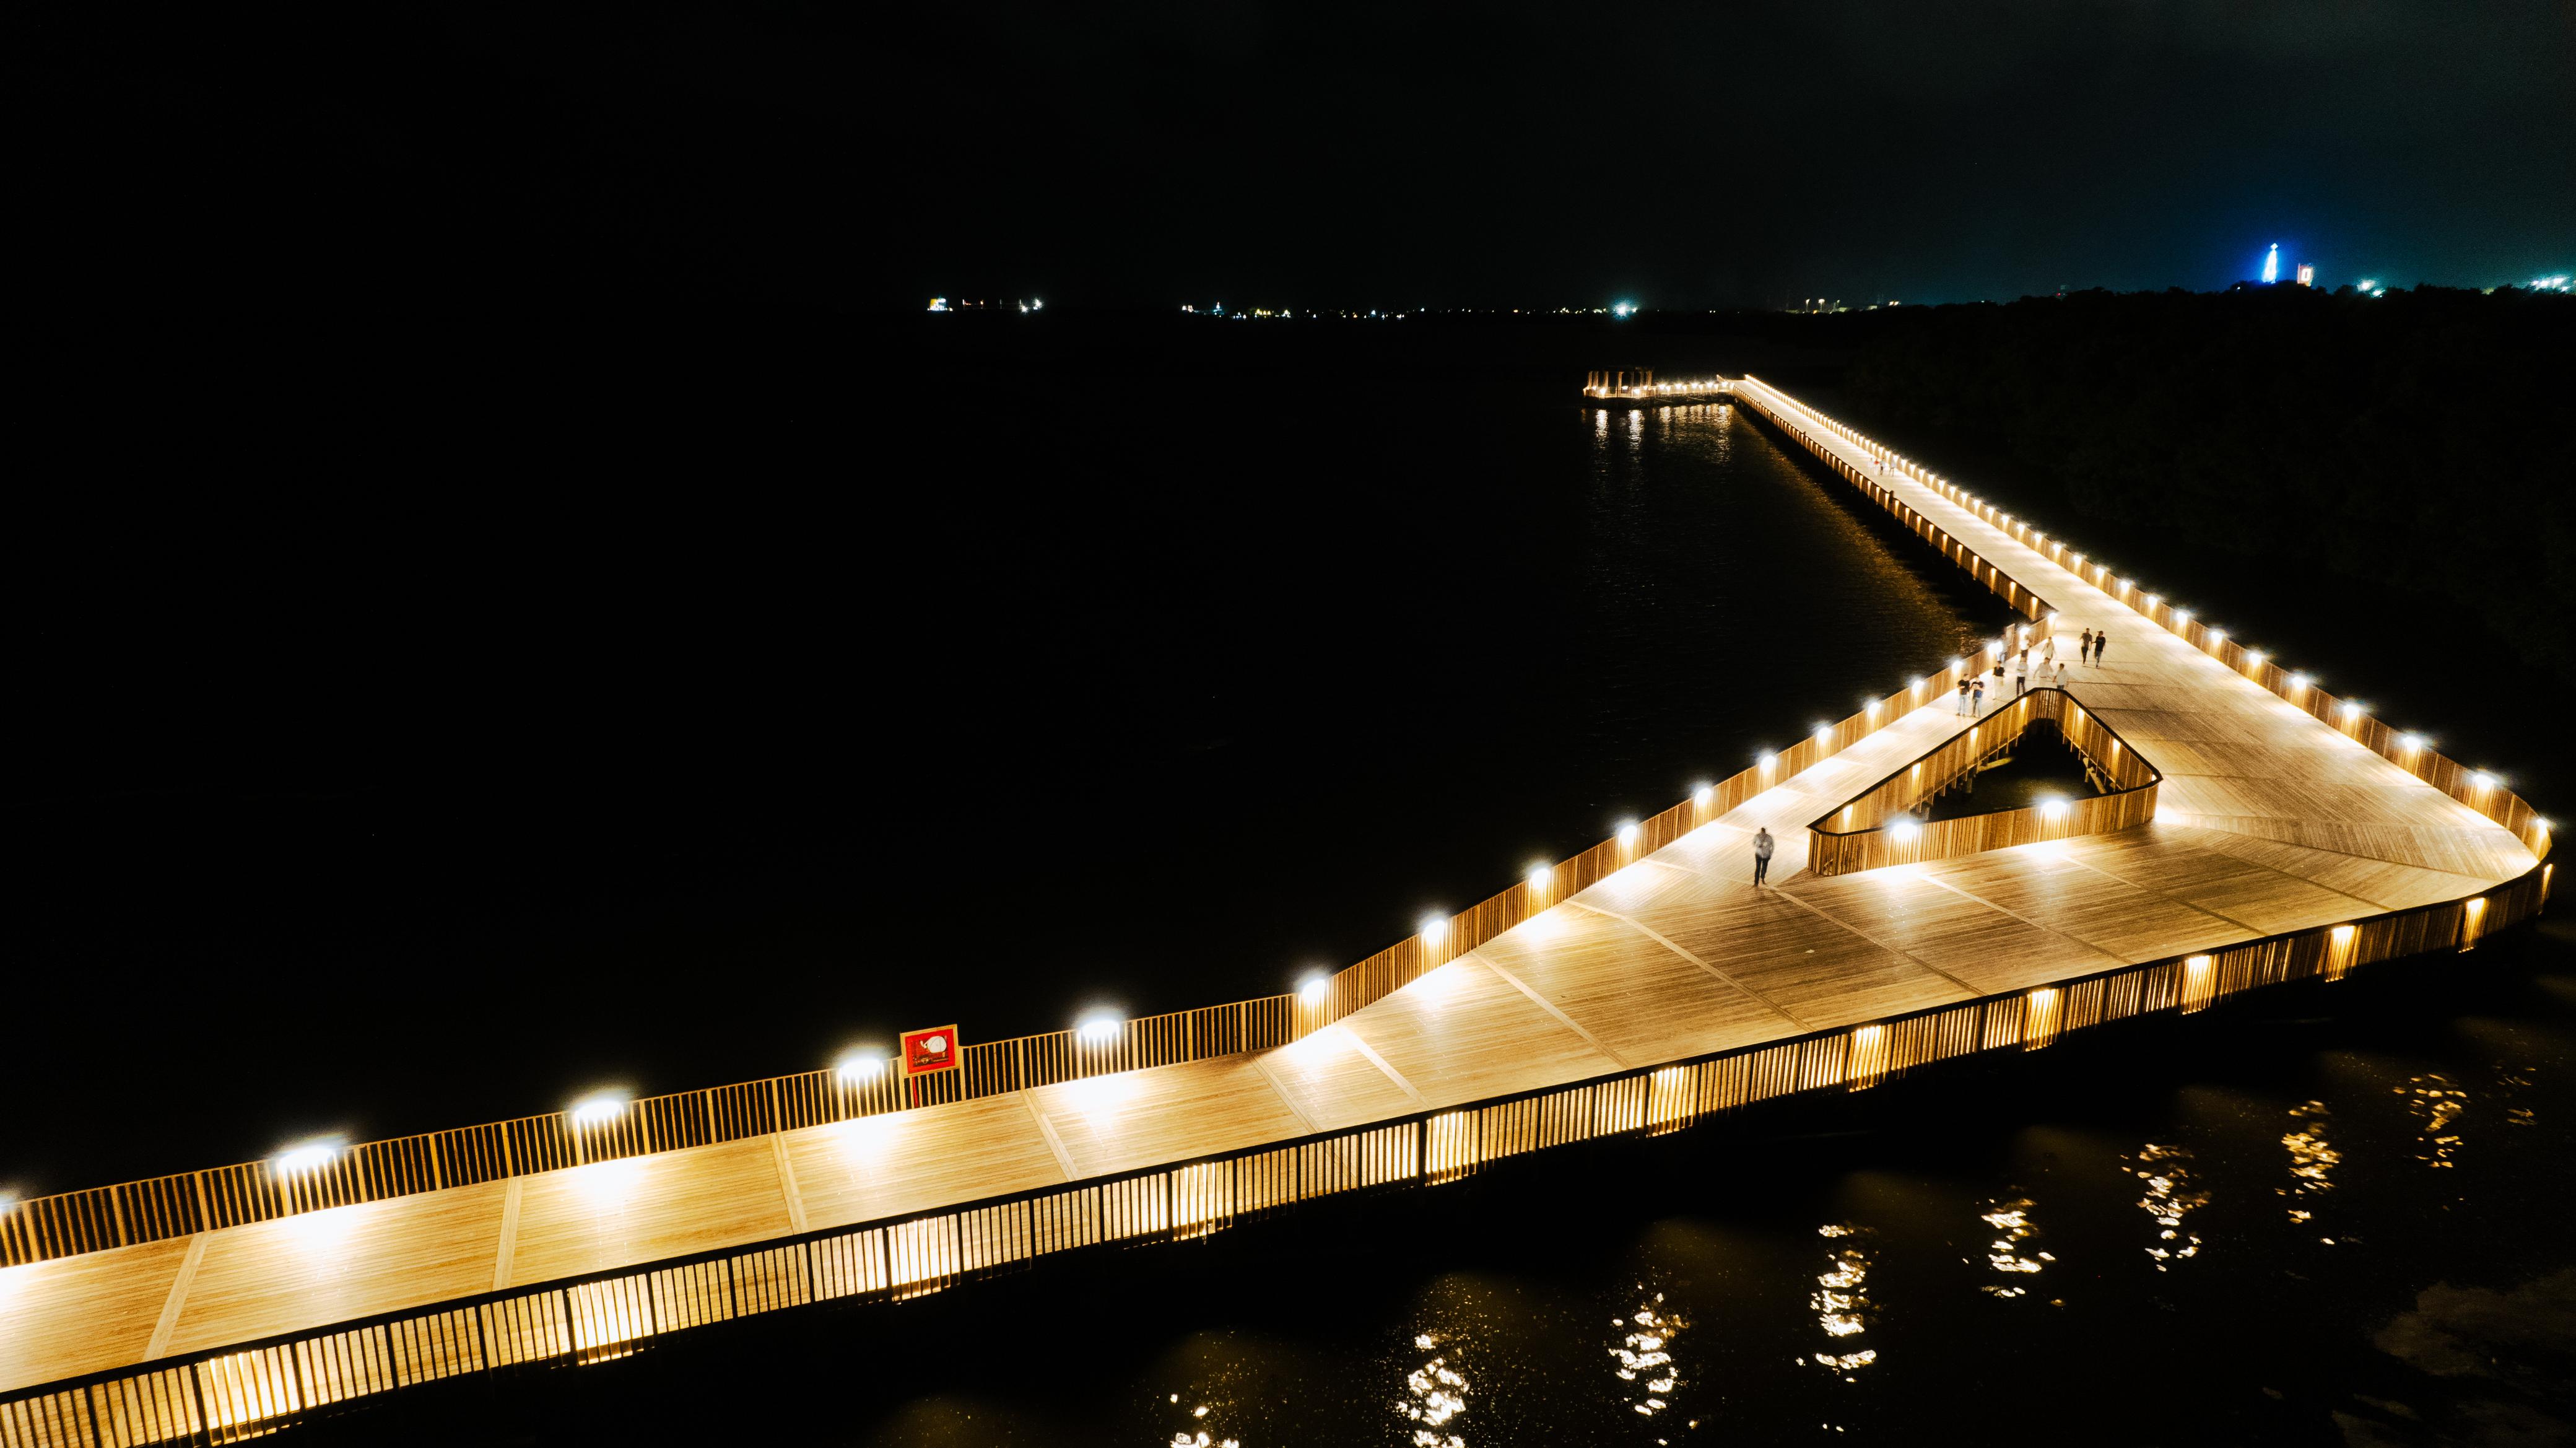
934, 1049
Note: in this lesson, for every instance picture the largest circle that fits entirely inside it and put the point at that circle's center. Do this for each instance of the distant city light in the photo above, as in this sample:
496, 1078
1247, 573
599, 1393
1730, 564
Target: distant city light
2368, 286
2307, 274
2549, 284
2272, 263
1622, 309
939, 304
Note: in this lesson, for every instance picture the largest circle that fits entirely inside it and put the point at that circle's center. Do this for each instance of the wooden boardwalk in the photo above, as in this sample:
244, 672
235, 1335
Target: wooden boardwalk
2270, 822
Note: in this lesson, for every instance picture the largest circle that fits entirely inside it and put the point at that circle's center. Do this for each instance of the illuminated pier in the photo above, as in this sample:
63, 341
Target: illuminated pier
2257, 829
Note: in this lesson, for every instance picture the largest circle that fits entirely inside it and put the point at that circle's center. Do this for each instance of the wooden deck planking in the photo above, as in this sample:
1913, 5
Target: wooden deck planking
1642, 1001
1968, 939
911, 1161
610, 1213
1462, 1033
84, 1314
343, 1263
1333, 1083
1133, 1119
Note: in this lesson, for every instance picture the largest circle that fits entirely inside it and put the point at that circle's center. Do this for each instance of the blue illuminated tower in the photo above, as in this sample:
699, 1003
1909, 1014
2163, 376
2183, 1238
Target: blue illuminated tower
2272, 263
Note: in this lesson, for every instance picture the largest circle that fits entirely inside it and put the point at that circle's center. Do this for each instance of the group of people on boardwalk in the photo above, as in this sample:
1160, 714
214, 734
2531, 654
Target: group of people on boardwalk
2050, 671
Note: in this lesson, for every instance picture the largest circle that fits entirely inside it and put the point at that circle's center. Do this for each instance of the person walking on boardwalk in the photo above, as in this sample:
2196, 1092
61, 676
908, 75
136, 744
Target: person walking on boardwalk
2101, 641
2084, 648
2061, 674
1977, 699
2047, 653
1761, 855
1962, 710
2021, 675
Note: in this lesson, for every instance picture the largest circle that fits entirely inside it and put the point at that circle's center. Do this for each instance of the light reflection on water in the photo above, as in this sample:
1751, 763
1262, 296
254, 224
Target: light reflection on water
1841, 1302
2172, 1196
2438, 1104
2010, 1254
1435, 1397
2312, 1158
1645, 1355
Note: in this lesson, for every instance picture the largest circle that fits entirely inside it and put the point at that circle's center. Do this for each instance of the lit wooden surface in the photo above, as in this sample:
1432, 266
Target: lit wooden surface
2270, 821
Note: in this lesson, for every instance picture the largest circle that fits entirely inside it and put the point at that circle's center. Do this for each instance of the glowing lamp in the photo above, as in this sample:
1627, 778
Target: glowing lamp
862, 1065
1824, 732
1100, 1030
1958, 663
2154, 598
2217, 636
1627, 833
1702, 793
1313, 988
2298, 682
594, 1110
2482, 780
1434, 929
1903, 830
1539, 878
2409, 743
2052, 809
1767, 760
2181, 616
2342, 934
1915, 683
2352, 708
2253, 658
307, 1157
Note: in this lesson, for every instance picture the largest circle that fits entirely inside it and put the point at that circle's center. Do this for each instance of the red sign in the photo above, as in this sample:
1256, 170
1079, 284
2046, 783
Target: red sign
935, 1049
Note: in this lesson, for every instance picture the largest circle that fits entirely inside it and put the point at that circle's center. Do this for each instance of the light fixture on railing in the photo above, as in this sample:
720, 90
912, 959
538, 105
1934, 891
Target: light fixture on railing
2154, 598
305, 1156
2253, 658
1903, 829
2215, 636
597, 1110
1627, 833
1957, 664
863, 1064
1702, 793
1099, 1028
2480, 779
1765, 760
2409, 742
2182, 616
1314, 987
1540, 877
2052, 809
1824, 732
2298, 683
2352, 708
1914, 685
1433, 929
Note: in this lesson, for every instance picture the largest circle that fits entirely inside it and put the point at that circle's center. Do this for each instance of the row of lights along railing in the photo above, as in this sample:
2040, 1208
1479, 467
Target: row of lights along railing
597, 1124
1316, 991
2481, 789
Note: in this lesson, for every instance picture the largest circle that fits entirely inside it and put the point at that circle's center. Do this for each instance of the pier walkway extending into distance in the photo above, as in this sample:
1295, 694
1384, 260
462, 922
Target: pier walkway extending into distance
1637, 987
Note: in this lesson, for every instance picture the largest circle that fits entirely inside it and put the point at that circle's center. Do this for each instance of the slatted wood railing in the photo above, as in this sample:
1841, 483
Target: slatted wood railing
1873, 830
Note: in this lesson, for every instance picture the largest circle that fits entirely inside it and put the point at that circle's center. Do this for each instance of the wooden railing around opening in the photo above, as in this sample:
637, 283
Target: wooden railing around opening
1873, 830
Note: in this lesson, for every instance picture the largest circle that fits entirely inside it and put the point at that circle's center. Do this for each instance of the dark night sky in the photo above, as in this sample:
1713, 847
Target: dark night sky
461, 159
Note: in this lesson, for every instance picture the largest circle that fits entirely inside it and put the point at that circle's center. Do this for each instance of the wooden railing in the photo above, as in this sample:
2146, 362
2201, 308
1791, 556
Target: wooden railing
96, 1218
1872, 830
2480, 790
249, 1389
